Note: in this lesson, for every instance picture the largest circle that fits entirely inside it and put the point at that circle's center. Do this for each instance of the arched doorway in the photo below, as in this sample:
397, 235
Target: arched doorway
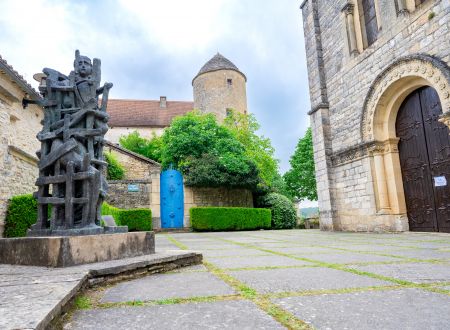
424, 151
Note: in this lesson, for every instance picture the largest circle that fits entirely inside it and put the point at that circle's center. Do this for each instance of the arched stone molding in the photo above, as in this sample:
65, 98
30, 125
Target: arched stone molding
379, 115
394, 84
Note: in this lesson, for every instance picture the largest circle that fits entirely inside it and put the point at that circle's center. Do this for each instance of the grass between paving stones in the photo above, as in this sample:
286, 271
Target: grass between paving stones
177, 243
403, 258
285, 318
331, 265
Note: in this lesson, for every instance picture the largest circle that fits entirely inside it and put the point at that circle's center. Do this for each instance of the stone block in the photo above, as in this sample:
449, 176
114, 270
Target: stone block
75, 250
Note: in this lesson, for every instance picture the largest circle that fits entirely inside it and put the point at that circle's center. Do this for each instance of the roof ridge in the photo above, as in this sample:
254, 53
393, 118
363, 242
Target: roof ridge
18, 76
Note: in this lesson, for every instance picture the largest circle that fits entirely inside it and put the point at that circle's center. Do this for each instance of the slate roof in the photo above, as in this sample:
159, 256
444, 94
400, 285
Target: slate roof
18, 79
218, 62
136, 113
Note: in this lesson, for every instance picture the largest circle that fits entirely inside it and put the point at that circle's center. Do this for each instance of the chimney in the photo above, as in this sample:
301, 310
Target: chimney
163, 102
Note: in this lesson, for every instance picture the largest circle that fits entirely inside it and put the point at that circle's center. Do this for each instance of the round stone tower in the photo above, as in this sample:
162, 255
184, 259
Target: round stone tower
219, 87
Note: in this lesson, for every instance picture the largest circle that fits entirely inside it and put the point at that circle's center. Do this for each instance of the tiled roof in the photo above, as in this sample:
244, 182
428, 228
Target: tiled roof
133, 113
118, 148
218, 62
17, 78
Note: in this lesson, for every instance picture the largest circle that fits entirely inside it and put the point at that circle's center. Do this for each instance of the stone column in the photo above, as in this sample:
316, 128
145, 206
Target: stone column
377, 152
402, 9
320, 127
350, 24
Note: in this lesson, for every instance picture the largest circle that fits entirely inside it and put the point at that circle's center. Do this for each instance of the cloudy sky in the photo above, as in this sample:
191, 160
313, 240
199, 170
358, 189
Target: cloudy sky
155, 47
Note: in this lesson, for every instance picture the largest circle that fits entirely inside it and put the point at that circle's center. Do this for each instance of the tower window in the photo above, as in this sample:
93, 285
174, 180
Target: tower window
229, 112
229, 82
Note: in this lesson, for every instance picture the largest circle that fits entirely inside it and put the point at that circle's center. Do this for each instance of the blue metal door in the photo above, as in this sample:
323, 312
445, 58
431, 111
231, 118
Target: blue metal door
172, 199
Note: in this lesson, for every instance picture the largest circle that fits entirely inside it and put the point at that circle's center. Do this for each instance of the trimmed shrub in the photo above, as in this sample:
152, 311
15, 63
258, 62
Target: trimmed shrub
21, 214
229, 218
283, 211
115, 170
135, 219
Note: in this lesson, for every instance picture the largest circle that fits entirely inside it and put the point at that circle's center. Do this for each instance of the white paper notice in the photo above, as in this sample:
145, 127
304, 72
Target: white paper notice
440, 181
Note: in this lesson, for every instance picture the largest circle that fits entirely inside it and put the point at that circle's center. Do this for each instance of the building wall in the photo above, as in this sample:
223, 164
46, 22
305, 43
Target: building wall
339, 85
212, 93
18, 144
114, 133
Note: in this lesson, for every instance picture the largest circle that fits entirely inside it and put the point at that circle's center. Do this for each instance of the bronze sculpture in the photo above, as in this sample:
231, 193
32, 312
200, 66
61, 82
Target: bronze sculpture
71, 163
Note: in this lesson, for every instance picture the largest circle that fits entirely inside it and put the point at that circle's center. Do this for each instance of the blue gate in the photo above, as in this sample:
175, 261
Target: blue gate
172, 199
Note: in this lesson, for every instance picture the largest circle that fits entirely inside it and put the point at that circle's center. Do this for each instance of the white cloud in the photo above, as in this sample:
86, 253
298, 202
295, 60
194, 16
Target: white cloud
179, 25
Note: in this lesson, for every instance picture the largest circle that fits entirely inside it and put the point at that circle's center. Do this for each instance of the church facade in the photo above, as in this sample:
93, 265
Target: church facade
379, 82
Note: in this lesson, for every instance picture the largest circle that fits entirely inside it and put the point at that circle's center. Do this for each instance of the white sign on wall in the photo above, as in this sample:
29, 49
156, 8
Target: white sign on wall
440, 181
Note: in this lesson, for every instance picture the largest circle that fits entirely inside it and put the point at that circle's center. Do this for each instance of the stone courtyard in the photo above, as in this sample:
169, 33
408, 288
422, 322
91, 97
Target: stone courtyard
297, 279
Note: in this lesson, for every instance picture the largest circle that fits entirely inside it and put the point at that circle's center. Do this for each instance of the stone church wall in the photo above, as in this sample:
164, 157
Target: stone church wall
339, 84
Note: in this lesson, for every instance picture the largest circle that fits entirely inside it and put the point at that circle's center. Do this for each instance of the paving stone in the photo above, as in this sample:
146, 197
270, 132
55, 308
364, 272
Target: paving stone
348, 258
256, 261
422, 254
232, 253
413, 272
164, 286
303, 279
384, 310
303, 250
216, 315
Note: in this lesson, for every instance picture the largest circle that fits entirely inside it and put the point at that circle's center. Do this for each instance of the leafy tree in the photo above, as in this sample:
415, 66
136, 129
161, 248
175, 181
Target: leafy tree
208, 154
115, 169
150, 148
279, 186
300, 179
258, 148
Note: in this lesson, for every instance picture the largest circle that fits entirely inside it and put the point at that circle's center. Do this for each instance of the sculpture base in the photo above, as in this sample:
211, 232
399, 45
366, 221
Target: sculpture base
75, 250
94, 230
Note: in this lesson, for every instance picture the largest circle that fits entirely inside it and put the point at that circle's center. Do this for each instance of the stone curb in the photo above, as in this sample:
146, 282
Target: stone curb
90, 275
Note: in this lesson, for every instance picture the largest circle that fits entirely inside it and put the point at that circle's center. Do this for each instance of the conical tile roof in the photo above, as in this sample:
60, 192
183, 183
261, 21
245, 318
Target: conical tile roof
218, 62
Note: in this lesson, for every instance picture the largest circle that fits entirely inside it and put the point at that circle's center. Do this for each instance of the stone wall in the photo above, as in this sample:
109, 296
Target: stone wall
194, 196
141, 171
212, 94
18, 144
123, 194
339, 84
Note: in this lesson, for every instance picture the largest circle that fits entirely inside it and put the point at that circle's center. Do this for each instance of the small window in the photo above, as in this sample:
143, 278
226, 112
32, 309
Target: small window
369, 17
229, 82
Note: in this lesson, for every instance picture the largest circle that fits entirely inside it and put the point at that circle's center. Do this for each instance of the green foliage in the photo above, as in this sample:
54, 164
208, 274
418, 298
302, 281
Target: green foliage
229, 218
150, 148
115, 170
279, 186
208, 154
300, 179
283, 211
214, 171
21, 214
257, 148
135, 219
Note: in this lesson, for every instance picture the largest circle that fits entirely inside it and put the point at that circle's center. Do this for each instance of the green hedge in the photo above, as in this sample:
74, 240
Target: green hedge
283, 210
135, 219
21, 214
229, 218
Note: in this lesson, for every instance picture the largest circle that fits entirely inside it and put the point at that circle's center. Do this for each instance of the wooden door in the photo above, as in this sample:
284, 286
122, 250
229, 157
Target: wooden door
424, 150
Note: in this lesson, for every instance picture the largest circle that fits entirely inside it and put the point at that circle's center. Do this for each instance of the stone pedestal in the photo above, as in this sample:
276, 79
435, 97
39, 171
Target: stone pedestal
75, 250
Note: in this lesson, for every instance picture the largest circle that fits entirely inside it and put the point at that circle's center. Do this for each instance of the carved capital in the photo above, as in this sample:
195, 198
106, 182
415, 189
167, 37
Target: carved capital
445, 118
